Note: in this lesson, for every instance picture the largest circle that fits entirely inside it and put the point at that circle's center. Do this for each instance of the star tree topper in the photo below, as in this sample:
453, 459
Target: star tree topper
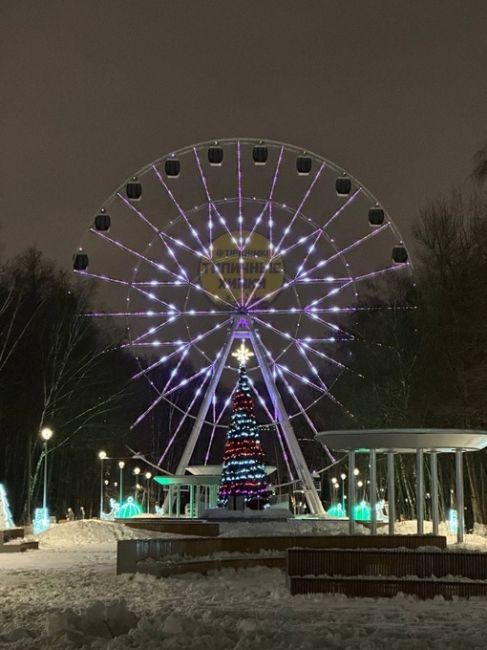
243, 354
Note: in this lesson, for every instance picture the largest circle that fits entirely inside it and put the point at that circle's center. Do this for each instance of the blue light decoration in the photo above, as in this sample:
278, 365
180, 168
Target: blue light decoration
362, 511
6, 519
453, 521
129, 509
336, 510
41, 521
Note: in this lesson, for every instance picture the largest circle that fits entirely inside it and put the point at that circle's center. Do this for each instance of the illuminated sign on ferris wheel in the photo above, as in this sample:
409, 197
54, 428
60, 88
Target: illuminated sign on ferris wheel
232, 269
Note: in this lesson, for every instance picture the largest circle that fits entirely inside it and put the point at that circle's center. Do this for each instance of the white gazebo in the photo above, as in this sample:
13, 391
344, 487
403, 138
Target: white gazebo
406, 441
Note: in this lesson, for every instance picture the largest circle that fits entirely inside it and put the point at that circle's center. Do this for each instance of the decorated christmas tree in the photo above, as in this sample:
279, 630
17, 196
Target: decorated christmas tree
243, 459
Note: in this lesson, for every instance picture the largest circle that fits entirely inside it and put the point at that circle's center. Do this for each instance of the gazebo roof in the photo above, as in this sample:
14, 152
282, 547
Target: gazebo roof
404, 440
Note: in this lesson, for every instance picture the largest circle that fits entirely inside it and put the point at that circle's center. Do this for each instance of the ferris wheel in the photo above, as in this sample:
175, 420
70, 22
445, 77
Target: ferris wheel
240, 239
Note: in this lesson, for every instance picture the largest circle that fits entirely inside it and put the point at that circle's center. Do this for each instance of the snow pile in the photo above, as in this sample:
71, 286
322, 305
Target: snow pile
99, 621
90, 531
229, 610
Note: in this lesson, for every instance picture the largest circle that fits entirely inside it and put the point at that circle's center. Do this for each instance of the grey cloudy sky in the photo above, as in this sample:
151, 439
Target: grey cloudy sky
394, 91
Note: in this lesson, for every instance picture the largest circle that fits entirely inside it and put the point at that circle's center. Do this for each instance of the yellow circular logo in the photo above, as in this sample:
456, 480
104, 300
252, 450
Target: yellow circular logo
233, 273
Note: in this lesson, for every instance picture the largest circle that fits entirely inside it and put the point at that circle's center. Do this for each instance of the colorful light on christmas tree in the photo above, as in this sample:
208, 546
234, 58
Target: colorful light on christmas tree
243, 459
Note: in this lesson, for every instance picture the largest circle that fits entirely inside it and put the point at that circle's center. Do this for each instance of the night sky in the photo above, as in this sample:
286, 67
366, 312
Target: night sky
92, 90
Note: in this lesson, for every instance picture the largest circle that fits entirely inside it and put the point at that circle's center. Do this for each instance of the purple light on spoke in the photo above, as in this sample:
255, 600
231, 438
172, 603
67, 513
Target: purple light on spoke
226, 403
317, 375
321, 230
268, 203
241, 244
303, 411
287, 230
159, 233
166, 394
262, 402
358, 278
185, 415
184, 348
291, 339
154, 330
348, 248
181, 212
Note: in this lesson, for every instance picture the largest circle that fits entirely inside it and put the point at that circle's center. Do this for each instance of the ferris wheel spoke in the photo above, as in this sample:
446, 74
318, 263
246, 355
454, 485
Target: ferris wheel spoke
331, 326
184, 415
162, 236
155, 329
291, 339
143, 258
343, 251
240, 222
356, 279
268, 204
106, 278
216, 421
287, 230
206, 253
164, 395
184, 348
204, 182
263, 403
321, 381
182, 212
321, 231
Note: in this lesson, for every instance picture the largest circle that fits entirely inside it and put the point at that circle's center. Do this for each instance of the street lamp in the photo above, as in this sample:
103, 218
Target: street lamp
121, 465
46, 435
136, 472
343, 477
102, 456
148, 477
356, 471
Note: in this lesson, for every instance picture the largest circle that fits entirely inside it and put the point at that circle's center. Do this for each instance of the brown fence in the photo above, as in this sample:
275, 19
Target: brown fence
131, 552
386, 587
386, 562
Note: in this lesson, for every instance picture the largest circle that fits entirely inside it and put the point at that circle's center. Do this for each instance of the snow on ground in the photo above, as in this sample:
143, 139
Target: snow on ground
67, 596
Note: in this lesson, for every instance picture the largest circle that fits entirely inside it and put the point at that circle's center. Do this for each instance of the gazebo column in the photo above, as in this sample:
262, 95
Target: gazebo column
169, 510
191, 500
178, 501
459, 495
373, 491
391, 491
435, 512
351, 491
420, 491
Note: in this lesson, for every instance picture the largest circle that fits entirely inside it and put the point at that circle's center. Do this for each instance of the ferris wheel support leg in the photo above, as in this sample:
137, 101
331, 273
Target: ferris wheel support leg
312, 498
205, 404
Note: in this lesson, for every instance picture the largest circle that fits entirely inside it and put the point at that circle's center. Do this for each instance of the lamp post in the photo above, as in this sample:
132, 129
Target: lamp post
343, 477
121, 465
148, 477
102, 456
136, 474
46, 435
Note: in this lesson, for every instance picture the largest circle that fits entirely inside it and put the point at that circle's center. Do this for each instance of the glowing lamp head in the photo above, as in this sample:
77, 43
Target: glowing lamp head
356, 471
334, 480
121, 464
46, 433
360, 483
102, 455
343, 476
136, 471
148, 475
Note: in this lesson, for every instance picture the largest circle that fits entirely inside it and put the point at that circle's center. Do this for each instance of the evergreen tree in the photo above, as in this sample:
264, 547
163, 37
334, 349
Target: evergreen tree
243, 459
